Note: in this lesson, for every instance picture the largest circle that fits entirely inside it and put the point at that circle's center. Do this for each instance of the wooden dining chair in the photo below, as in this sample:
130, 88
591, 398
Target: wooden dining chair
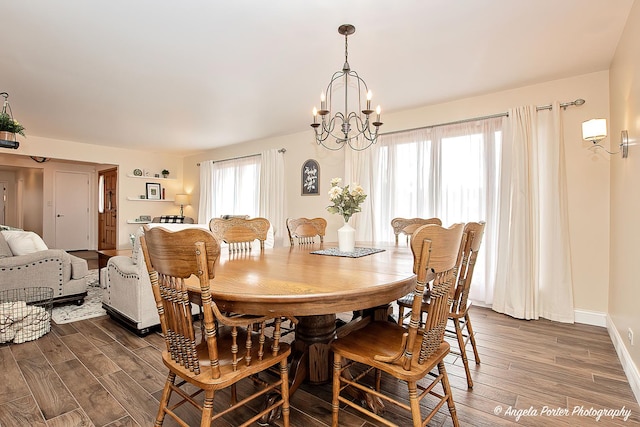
233, 347
240, 233
406, 354
304, 230
408, 225
459, 301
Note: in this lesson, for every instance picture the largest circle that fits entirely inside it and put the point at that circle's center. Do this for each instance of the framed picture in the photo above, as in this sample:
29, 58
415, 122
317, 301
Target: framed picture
310, 178
153, 191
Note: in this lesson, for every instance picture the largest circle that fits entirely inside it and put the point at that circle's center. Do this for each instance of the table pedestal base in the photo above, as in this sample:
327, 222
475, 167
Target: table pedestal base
310, 358
313, 338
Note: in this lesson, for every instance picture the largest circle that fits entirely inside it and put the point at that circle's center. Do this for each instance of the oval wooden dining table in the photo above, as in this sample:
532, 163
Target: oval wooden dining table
291, 281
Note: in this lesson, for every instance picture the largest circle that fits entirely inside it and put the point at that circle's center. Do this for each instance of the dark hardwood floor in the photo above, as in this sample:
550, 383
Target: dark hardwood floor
95, 373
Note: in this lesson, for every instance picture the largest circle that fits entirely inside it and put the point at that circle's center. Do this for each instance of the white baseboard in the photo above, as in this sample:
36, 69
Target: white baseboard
595, 318
630, 369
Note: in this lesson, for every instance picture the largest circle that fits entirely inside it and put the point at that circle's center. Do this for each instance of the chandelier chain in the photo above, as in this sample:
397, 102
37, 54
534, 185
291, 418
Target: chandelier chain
346, 49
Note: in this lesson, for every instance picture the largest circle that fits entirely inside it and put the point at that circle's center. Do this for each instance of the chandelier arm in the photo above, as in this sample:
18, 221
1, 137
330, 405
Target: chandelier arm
329, 125
360, 148
361, 125
321, 141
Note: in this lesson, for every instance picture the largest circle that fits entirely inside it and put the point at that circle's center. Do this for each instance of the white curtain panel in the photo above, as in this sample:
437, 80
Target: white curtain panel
358, 170
273, 199
450, 172
205, 209
533, 269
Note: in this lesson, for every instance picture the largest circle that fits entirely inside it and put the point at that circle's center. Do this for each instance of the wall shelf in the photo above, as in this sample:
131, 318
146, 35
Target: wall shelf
150, 177
138, 199
133, 221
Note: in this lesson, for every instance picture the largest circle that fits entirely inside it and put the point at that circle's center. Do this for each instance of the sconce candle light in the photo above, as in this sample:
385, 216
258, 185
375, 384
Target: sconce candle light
595, 130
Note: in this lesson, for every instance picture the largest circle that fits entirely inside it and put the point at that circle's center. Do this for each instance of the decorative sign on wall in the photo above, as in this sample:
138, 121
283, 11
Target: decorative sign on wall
310, 178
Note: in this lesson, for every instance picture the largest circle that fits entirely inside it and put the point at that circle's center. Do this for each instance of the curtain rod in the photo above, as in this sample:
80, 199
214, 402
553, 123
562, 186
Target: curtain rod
281, 150
563, 105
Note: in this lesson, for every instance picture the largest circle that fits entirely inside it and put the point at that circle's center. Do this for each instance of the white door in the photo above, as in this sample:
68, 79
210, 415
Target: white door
72, 210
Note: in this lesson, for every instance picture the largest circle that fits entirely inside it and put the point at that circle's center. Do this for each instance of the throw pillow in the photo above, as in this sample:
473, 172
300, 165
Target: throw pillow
172, 219
5, 251
23, 242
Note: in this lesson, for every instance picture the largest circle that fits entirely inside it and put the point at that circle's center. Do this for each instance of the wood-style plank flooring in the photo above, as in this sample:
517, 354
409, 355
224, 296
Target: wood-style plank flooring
95, 373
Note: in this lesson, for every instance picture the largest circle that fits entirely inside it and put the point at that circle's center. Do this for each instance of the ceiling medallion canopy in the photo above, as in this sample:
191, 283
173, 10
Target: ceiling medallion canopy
354, 126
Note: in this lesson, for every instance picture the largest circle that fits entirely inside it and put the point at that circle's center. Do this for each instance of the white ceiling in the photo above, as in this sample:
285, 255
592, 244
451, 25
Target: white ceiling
192, 75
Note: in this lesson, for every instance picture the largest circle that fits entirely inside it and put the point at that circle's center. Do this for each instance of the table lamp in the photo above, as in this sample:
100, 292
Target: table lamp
181, 200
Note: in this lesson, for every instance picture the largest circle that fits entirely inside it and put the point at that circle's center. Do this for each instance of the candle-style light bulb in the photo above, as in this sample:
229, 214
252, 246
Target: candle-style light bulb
378, 110
369, 95
323, 101
315, 114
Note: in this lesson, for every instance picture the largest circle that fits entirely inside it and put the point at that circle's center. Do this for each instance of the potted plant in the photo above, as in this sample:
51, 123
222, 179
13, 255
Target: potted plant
9, 127
165, 173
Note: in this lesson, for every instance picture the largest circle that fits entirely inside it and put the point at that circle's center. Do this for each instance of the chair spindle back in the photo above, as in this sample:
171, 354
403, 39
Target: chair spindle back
473, 232
435, 251
409, 225
240, 233
305, 230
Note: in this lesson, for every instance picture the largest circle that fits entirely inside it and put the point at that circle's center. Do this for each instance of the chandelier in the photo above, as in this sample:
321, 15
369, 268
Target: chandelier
344, 126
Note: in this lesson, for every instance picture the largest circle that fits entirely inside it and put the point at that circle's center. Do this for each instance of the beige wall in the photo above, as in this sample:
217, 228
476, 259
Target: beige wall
25, 192
624, 288
93, 158
32, 199
588, 170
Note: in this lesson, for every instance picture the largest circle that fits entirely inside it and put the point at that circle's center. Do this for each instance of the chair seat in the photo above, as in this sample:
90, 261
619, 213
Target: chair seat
225, 358
385, 339
407, 300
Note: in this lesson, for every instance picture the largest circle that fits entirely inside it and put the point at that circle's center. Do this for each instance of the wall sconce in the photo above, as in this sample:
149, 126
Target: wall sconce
595, 130
182, 200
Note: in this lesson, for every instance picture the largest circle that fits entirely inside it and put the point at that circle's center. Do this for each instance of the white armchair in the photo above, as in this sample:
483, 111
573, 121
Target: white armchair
128, 297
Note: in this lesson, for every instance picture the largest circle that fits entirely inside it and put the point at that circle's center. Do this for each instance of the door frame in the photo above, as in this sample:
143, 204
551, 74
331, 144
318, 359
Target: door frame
100, 195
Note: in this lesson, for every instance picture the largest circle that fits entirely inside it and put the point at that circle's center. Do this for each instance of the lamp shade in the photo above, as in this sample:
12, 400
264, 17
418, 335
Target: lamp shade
182, 199
594, 130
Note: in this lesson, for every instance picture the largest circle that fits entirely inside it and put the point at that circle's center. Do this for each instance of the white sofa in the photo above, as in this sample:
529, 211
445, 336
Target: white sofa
25, 261
128, 297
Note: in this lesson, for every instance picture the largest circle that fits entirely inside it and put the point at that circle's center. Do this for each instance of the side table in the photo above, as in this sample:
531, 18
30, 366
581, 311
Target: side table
103, 258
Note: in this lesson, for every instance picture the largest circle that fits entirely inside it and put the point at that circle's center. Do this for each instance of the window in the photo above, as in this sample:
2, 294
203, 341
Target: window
449, 172
101, 194
236, 187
